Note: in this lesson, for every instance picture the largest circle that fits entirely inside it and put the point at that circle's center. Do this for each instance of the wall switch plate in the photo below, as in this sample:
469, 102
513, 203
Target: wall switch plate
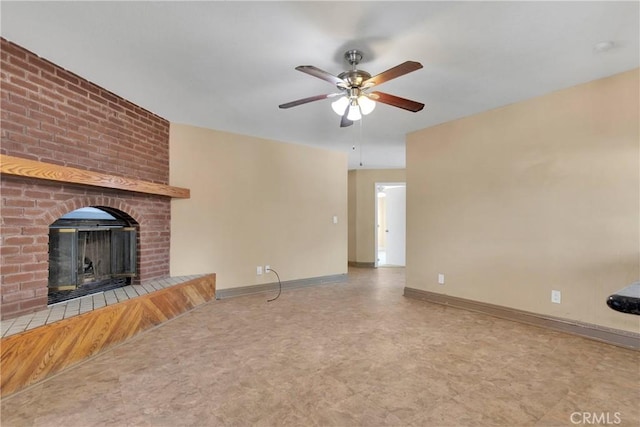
335, 219
441, 279
556, 297
259, 270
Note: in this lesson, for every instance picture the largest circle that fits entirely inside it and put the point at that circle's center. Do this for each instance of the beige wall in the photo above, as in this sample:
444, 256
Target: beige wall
540, 195
255, 202
362, 202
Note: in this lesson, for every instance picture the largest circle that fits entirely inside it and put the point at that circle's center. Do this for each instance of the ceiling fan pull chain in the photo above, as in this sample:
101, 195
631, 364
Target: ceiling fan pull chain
354, 139
361, 120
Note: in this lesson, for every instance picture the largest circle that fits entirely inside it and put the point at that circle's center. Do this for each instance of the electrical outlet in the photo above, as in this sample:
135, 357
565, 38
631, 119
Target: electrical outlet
441, 279
556, 297
259, 270
267, 268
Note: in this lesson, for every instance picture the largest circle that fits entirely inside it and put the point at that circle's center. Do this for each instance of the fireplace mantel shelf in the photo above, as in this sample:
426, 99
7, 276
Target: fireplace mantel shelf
17, 166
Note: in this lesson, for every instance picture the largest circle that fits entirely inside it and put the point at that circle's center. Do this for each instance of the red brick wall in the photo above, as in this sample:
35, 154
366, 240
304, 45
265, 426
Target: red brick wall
54, 116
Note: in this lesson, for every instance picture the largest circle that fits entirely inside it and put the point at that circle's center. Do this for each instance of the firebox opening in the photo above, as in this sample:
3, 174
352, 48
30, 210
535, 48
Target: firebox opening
90, 250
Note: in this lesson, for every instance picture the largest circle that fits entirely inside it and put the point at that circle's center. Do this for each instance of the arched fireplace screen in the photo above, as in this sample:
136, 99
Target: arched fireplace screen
89, 251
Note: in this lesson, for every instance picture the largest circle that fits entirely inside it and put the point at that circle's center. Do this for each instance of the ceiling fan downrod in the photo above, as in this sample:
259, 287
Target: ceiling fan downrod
354, 77
353, 57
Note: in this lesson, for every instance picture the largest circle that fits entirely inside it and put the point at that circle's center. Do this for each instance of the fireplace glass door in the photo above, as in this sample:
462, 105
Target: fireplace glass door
81, 256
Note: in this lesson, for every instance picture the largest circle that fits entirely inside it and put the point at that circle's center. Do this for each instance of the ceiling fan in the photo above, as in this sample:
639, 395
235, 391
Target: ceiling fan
354, 98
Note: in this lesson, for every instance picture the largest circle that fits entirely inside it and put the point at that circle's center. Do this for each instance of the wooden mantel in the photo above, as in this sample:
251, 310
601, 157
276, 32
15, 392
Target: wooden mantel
17, 166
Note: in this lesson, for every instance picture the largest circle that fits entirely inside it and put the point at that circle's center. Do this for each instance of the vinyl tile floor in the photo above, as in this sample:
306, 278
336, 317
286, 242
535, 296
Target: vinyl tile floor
355, 353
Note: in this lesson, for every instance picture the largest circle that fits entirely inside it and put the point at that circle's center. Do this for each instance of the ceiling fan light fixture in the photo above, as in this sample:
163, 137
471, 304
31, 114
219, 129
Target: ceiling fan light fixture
354, 112
366, 104
340, 105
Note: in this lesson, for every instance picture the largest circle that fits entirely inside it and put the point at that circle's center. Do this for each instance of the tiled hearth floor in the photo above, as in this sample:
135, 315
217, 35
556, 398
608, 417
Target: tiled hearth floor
355, 353
77, 306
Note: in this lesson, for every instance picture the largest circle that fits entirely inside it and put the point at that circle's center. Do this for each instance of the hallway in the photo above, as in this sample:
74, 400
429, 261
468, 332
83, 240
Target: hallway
355, 353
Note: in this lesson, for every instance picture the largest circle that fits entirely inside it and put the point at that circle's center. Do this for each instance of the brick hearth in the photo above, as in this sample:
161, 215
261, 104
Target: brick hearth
75, 307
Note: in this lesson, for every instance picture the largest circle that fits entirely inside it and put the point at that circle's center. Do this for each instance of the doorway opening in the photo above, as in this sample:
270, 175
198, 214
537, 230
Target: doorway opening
390, 220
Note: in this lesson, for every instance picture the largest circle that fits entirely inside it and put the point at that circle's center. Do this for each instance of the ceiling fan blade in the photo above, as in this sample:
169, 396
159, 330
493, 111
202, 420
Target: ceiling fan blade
321, 74
396, 101
306, 100
392, 73
344, 122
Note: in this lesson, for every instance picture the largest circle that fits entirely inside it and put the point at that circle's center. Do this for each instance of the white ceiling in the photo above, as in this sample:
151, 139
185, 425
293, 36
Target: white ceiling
227, 65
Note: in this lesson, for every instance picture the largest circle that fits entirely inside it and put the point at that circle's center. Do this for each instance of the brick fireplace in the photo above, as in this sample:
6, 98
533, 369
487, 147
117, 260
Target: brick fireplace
55, 117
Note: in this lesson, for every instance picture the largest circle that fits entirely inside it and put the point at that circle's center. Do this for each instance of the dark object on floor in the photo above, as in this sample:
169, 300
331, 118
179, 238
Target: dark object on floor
626, 300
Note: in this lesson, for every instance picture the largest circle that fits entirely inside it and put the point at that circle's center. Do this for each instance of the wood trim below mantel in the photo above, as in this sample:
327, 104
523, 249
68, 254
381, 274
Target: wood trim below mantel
17, 166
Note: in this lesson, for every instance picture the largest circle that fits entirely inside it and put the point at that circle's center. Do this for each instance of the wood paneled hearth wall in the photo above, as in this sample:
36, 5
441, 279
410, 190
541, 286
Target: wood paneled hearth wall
51, 115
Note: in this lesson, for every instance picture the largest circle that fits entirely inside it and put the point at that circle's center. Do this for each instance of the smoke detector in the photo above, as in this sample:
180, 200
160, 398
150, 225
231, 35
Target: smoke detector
603, 46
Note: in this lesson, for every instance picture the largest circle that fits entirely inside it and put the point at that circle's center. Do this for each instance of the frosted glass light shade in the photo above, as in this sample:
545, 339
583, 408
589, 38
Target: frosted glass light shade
367, 105
354, 113
340, 105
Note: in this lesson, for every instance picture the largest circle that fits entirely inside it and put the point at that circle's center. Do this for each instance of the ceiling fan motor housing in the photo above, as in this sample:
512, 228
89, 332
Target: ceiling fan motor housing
355, 78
